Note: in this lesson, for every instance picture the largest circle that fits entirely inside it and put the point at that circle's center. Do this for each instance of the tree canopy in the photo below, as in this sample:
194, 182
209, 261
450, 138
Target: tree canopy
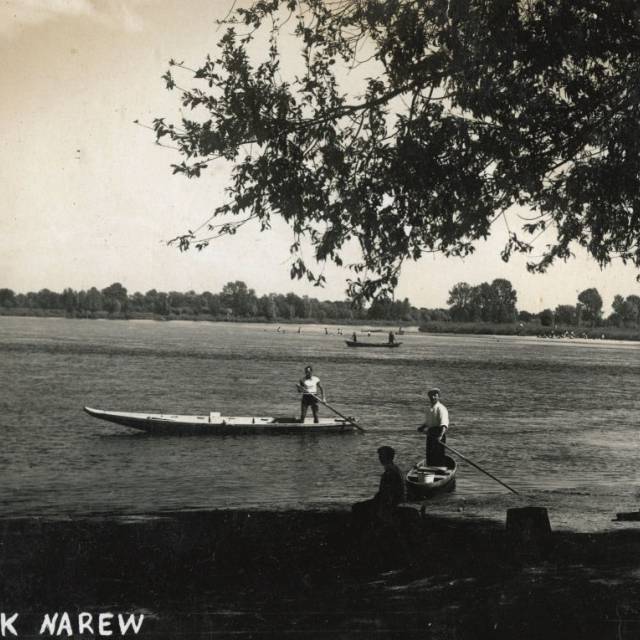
495, 302
411, 127
626, 311
592, 303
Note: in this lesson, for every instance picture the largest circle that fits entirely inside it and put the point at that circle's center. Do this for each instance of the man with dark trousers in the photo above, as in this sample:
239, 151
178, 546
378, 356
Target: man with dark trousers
436, 423
309, 387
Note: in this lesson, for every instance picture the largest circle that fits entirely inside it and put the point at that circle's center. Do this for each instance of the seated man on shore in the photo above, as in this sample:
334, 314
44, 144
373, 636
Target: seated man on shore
379, 510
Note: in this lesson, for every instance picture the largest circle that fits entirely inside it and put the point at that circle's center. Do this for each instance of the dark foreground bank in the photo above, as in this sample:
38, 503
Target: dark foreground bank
310, 575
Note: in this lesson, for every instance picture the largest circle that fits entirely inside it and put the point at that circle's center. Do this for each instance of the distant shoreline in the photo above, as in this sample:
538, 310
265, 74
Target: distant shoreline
533, 329
204, 317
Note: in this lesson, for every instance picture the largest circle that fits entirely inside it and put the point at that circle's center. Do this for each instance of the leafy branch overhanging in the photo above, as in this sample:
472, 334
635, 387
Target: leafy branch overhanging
469, 108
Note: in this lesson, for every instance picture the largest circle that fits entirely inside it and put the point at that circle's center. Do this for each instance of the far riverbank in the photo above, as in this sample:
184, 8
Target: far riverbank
534, 329
569, 332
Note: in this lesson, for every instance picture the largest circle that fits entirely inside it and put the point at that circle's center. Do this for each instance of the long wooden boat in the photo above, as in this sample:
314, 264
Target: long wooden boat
423, 481
215, 423
358, 343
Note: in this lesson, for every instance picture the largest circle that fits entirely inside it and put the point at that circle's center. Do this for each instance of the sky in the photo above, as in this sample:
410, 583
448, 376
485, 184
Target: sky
88, 198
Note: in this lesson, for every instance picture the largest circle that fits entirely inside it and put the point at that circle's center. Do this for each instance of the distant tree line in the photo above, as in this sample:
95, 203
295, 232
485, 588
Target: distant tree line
235, 300
493, 302
496, 302
588, 311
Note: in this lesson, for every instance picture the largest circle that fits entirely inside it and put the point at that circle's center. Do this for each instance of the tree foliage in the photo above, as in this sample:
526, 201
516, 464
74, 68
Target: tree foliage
7, 298
566, 314
495, 302
626, 311
469, 109
591, 301
461, 301
546, 317
235, 300
114, 298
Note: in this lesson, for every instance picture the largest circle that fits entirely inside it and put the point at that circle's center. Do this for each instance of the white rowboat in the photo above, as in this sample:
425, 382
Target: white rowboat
215, 423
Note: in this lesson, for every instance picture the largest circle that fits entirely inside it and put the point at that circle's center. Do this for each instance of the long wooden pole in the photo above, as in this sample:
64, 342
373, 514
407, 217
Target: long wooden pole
349, 420
477, 466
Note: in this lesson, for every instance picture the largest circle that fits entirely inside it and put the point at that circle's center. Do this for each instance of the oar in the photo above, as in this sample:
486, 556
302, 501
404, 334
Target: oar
477, 466
349, 420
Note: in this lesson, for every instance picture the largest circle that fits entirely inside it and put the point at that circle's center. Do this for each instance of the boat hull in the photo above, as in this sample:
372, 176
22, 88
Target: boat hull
384, 345
424, 482
167, 424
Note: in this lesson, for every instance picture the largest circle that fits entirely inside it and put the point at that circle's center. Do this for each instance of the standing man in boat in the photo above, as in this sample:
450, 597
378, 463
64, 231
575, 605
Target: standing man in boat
436, 423
309, 387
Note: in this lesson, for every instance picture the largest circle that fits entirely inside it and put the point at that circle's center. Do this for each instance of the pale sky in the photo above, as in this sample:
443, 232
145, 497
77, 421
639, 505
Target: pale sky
88, 198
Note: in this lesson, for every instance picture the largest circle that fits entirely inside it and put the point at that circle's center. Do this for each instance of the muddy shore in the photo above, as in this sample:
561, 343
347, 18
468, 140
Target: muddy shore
311, 575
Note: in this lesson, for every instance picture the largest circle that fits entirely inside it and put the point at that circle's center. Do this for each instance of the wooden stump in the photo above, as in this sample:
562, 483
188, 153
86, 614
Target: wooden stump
528, 530
629, 516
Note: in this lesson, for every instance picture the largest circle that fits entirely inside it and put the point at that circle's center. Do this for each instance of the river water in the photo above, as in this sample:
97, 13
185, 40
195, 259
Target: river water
557, 420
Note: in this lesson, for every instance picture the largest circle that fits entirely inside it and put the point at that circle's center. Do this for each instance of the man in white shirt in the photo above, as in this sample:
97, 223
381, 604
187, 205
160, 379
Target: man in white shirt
436, 423
309, 387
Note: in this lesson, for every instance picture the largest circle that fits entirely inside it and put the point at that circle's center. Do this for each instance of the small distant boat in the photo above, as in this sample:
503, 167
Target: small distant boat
215, 423
423, 481
358, 343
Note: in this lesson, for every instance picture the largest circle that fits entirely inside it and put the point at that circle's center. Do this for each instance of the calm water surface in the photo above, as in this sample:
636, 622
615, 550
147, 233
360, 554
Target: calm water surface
556, 420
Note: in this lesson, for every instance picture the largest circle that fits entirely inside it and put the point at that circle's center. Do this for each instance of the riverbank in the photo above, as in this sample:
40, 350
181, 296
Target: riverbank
202, 317
301, 574
534, 329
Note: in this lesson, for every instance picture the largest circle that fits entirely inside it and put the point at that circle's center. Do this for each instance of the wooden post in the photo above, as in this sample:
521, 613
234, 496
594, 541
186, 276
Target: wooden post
528, 530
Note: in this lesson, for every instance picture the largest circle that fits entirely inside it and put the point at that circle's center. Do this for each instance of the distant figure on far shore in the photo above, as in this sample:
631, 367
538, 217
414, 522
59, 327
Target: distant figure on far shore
392, 338
354, 337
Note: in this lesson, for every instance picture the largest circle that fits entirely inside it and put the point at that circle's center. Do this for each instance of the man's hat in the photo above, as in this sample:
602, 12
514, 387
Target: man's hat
433, 391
